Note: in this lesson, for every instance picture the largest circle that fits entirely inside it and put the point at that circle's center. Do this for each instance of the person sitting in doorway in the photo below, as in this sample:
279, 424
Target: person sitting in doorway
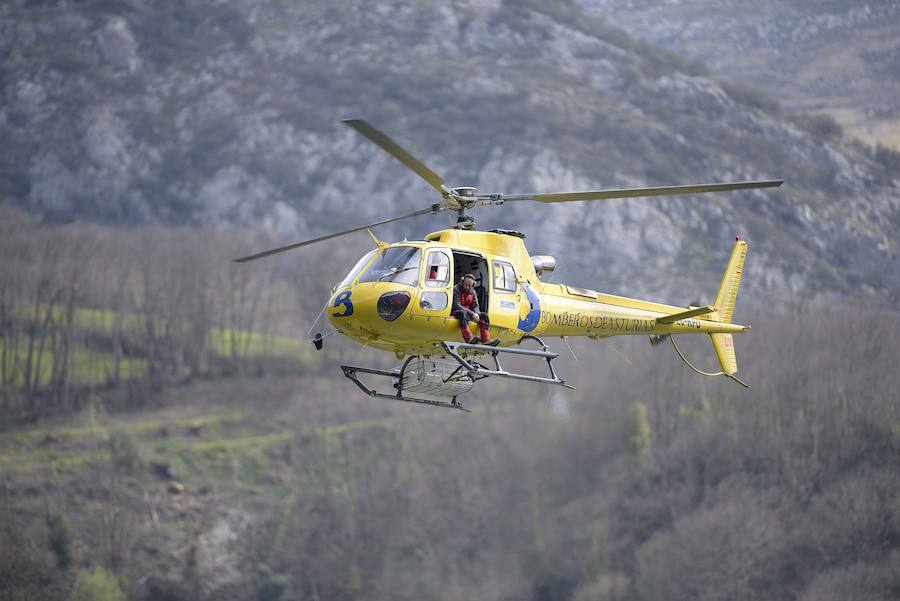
465, 309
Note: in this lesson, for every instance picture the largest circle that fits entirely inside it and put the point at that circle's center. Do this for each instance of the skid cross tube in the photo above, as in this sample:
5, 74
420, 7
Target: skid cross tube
476, 369
351, 372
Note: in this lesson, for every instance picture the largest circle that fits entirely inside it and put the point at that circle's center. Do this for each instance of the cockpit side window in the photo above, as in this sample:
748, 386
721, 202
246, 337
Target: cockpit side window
398, 264
437, 275
504, 276
356, 269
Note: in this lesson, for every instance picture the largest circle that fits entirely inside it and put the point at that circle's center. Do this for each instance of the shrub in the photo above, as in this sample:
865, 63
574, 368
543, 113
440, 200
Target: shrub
61, 539
750, 96
637, 430
820, 125
125, 453
269, 585
889, 158
99, 585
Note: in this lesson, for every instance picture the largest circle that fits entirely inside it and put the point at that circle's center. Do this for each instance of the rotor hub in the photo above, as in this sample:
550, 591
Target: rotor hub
465, 191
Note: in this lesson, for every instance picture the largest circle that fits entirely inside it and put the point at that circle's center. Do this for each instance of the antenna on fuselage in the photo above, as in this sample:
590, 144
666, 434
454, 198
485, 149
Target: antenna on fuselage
378, 243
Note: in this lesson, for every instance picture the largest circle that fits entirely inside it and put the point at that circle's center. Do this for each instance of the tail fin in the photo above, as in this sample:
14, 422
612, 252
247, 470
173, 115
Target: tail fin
725, 300
724, 345
731, 282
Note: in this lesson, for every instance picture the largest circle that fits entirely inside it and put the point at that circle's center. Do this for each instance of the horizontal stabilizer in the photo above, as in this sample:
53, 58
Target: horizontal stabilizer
686, 314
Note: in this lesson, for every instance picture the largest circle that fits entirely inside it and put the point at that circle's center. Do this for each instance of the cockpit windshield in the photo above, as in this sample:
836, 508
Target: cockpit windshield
398, 264
356, 269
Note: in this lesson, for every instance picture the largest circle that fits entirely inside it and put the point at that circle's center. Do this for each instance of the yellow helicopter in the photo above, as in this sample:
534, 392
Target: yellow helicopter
400, 297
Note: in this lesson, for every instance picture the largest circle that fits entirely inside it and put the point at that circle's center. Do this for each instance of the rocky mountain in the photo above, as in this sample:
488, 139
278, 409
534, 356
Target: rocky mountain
837, 57
228, 113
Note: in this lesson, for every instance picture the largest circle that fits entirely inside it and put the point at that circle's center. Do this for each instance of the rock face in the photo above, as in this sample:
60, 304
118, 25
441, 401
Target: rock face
841, 57
229, 113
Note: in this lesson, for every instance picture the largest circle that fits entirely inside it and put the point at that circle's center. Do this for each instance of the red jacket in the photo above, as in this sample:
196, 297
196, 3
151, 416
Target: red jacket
463, 300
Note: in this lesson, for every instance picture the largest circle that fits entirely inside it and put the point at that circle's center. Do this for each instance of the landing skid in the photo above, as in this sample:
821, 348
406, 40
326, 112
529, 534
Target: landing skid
458, 350
439, 382
397, 375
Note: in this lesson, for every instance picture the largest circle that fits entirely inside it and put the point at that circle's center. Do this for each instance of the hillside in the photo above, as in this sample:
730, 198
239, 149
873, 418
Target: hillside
645, 483
836, 57
117, 111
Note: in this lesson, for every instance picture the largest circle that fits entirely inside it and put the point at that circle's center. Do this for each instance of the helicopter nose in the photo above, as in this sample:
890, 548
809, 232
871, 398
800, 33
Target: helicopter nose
342, 305
353, 308
367, 307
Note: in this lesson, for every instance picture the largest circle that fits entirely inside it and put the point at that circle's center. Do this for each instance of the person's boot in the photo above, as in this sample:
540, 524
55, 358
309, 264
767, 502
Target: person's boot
486, 338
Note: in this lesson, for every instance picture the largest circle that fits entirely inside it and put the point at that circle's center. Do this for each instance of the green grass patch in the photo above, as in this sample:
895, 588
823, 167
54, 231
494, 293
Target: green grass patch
229, 448
229, 342
87, 365
90, 363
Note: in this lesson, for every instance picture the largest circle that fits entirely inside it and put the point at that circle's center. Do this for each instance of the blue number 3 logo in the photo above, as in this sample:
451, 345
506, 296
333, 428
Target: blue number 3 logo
343, 299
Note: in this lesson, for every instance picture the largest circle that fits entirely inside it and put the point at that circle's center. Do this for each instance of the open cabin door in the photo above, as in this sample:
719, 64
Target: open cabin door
471, 263
505, 295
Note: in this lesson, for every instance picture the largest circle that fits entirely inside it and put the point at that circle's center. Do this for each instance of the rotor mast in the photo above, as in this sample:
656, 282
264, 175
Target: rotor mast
465, 197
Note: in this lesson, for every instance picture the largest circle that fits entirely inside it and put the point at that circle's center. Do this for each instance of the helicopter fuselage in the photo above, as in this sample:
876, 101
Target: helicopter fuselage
399, 297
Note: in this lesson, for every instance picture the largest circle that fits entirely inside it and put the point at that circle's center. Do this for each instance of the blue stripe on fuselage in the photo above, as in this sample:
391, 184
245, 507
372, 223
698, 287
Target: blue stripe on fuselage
534, 314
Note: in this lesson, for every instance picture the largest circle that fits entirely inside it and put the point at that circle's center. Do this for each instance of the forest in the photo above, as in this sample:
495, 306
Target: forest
86, 308
168, 433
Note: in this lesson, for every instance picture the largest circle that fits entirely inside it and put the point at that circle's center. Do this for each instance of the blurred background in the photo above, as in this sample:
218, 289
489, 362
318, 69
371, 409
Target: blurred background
168, 433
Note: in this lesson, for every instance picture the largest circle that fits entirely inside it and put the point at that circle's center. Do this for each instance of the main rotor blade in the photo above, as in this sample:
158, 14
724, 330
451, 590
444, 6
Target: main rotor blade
281, 249
633, 192
395, 150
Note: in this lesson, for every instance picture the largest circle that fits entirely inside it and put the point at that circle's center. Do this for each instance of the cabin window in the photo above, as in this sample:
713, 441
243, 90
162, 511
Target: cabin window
504, 277
433, 301
398, 264
356, 269
437, 274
